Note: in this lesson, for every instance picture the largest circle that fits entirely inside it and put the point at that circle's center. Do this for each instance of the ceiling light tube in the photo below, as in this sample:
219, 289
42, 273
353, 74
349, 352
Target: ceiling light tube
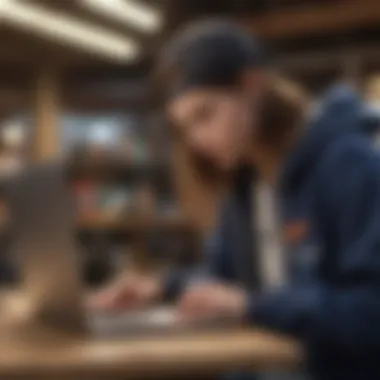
128, 12
58, 27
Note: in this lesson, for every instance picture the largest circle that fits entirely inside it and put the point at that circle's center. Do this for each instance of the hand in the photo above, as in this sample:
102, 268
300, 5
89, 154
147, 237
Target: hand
132, 292
212, 300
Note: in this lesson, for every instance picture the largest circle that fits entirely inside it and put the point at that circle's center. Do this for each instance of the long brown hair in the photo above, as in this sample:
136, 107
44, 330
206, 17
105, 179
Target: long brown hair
283, 108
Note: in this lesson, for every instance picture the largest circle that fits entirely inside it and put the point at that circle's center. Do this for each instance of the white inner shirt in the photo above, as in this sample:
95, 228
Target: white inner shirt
270, 247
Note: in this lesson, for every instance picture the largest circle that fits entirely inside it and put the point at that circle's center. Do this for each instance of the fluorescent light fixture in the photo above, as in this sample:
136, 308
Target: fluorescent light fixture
61, 28
129, 12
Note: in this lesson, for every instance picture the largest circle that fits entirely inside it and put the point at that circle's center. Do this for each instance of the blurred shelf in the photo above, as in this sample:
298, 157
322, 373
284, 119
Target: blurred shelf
117, 170
129, 226
134, 225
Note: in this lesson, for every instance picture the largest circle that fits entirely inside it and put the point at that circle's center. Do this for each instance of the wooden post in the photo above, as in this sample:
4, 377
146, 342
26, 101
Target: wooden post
45, 139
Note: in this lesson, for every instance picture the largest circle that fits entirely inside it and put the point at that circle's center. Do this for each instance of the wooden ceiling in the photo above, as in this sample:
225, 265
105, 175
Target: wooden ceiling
271, 18
286, 25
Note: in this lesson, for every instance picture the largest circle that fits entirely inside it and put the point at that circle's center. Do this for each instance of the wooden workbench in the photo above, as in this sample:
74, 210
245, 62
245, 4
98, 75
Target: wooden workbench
32, 354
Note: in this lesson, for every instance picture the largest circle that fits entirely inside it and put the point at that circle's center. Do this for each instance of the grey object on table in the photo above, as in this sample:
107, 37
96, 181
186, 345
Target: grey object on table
155, 321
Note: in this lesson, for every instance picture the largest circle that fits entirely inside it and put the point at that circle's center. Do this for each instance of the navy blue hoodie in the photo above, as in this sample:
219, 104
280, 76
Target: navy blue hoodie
330, 196
330, 192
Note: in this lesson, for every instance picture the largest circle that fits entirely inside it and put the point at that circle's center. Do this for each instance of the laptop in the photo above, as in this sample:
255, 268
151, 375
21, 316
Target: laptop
44, 246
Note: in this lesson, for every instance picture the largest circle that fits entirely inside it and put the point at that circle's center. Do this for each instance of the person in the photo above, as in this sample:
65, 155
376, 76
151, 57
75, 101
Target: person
225, 105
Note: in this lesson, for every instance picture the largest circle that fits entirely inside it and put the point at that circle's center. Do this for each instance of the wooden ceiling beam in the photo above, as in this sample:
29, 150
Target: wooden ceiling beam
315, 20
326, 60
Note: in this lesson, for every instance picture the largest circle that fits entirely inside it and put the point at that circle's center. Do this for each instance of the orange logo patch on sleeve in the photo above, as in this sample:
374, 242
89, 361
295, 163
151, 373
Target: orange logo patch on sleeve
294, 232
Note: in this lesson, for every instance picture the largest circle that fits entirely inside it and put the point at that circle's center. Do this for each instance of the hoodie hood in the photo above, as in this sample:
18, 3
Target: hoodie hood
340, 113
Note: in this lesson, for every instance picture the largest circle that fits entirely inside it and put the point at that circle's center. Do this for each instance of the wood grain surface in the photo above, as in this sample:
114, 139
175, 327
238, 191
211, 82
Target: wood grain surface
28, 351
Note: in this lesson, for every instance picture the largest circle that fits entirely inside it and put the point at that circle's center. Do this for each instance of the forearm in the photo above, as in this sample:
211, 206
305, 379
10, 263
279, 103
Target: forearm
342, 320
173, 285
176, 281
